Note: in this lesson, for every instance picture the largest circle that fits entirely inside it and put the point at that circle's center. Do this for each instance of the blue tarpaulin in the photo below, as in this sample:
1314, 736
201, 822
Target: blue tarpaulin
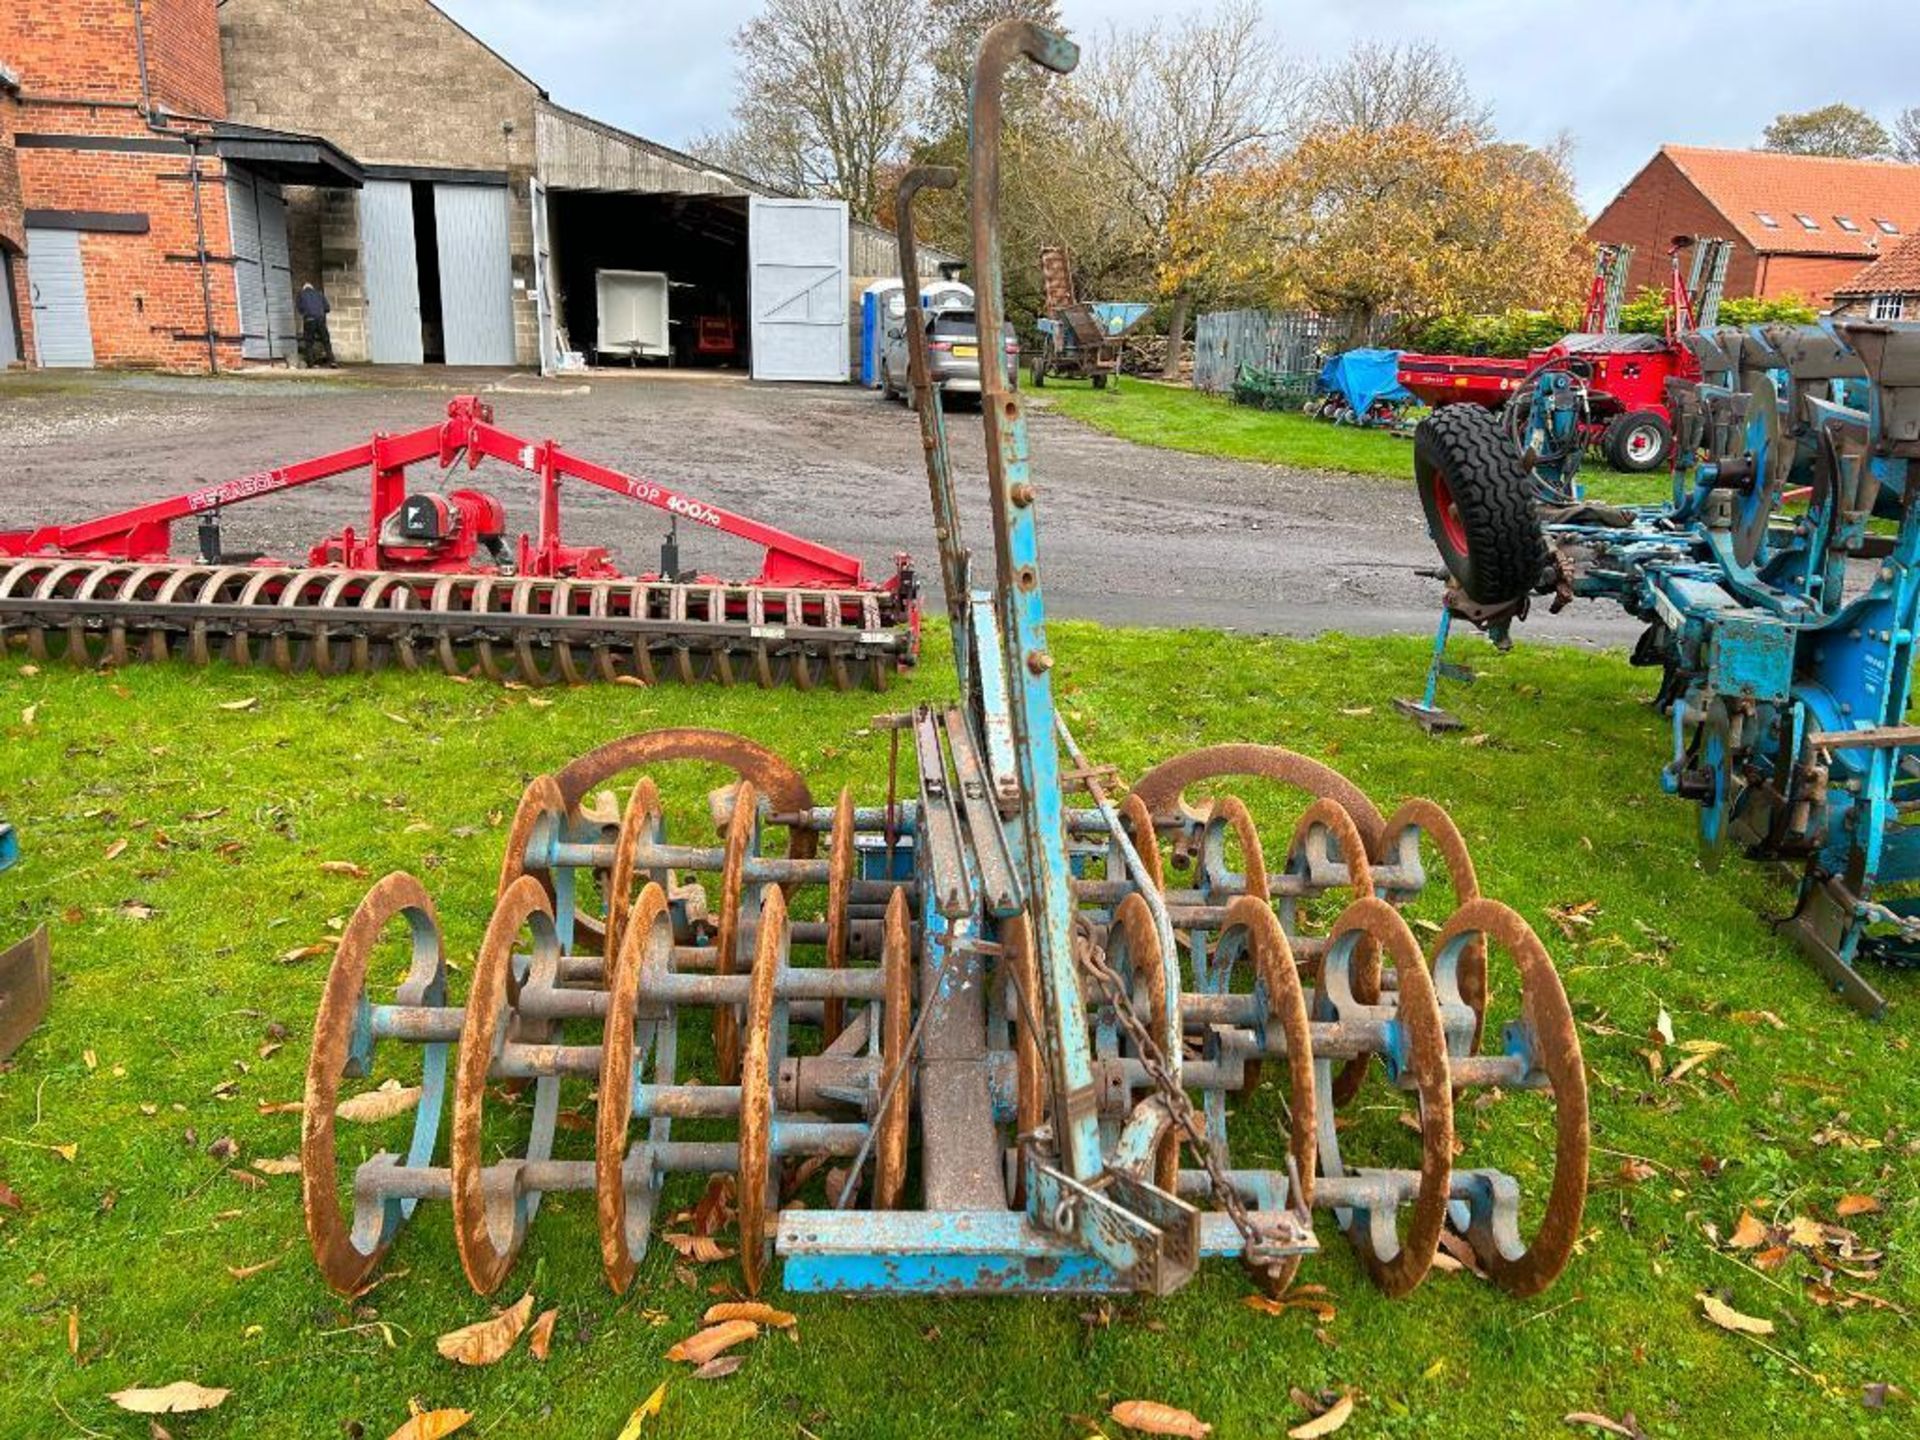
1361, 377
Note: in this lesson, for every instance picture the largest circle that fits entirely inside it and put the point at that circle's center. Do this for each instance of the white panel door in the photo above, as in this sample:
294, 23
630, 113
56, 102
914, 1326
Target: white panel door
57, 290
543, 296
250, 288
797, 272
276, 270
391, 273
476, 273
9, 341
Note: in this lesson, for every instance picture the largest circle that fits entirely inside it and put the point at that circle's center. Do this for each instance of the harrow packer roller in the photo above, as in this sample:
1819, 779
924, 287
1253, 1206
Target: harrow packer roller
1009, 1025
434, 582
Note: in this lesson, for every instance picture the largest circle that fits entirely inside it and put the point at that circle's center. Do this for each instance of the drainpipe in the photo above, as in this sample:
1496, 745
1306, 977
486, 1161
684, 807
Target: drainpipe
156, 122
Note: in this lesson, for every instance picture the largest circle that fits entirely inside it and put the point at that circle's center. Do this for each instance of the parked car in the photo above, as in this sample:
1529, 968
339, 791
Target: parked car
953, 350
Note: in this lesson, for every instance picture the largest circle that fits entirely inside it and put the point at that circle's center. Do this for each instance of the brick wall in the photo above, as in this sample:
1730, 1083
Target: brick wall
1813, 277
1658, 204
13, 232
78, 66
392, 82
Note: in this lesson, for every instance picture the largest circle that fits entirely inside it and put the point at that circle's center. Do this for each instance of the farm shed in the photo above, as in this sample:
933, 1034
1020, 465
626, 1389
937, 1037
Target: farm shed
489, 211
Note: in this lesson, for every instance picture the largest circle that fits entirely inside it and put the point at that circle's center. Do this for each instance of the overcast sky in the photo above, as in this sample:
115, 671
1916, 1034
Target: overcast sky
1680, 71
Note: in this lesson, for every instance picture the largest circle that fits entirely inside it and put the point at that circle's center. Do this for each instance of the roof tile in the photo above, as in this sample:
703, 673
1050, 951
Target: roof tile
1895, 273
1741, 183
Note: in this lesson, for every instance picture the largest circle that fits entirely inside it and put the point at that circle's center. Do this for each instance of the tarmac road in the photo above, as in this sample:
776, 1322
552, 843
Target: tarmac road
1129, 535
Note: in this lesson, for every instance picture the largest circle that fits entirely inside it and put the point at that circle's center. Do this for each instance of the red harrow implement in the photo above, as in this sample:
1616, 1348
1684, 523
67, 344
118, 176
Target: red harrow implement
435, 581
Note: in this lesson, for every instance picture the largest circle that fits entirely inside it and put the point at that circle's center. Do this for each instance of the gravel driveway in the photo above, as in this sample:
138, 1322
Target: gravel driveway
1130, 535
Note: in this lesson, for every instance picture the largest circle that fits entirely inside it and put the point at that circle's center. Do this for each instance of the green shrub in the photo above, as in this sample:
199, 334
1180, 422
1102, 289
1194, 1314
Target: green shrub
1515, 333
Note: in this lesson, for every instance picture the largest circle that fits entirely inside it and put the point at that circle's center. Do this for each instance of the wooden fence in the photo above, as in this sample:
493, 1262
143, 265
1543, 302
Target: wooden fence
1270, 339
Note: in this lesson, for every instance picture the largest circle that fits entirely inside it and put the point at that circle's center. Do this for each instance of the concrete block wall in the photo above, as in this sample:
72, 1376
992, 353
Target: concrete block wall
391, 82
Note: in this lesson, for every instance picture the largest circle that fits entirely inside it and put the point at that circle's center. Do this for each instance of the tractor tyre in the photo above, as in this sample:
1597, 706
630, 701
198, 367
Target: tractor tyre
1637, 442
1479, 504
1099, 380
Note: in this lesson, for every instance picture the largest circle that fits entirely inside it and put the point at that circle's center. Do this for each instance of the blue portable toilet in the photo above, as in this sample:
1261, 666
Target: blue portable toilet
877, 301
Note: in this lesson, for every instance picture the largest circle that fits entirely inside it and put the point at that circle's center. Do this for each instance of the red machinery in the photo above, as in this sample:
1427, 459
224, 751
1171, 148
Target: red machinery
1624, 377
433, 580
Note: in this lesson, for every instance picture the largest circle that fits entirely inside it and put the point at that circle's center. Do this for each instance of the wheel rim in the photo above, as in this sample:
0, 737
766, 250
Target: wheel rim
1643, 444
1451, 525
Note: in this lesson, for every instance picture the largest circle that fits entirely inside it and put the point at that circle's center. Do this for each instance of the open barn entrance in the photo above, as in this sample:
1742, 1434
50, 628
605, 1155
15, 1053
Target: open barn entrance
651, 279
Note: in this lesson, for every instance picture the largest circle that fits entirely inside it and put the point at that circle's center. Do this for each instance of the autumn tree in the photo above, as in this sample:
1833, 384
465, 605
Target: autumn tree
825, 91
954, 30
1174, 105
1376, 87
1402, 221
1844, 131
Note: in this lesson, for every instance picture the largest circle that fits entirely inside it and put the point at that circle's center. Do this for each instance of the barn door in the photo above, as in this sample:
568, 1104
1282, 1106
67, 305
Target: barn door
476, 273
543, 298
262, 272
57, 291
797, 271
392, 273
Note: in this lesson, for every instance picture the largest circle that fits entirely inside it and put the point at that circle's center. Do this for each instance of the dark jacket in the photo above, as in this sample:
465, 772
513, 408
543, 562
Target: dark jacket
312, 305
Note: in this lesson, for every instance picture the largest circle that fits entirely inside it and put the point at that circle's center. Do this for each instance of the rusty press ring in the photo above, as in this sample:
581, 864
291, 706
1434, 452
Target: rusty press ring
648, 935
1324, 825
1163, 788
640, 822
1133, 949
491, 1207
759, 1179
1395, 1262
833, 1015
1546, 1036
1430, 821
342, 1045
743, 832
896, 1028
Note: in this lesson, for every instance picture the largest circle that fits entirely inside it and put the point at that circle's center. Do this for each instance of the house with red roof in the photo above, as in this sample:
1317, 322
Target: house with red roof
1800, 225
1888, 289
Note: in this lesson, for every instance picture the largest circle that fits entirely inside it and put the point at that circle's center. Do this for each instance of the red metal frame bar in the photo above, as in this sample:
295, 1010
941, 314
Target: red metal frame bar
144, 532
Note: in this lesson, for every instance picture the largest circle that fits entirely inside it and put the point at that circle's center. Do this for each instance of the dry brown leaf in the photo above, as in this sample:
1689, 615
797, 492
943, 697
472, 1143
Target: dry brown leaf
750, 1310
247, 1272
1600, 1422
9, 1200
1319, 1307
1150, 1417
178, 1398
114, 851
1771, 1258
702, 1347
285, 1165
719, 1367
540, 1342
486, 1341
701, 1249
344, 867
1748, 1234
1728, 1318
280, 1107
1851, 1205
391, 1099
73, 1332
431, 1424
1335, 1415
1635, 1171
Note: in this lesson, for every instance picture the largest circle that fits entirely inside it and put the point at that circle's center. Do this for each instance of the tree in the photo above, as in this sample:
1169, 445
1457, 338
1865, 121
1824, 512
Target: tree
1906, 136
1840, 130
1175, 106
1378, 87
954, 28
825, 91
1402, 221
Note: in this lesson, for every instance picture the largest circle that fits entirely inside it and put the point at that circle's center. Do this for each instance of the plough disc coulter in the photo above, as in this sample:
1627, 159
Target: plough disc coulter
434, 583
997, 1030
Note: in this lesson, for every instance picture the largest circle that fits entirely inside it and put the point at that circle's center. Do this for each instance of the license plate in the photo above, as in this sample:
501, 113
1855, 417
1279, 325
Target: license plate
966, 352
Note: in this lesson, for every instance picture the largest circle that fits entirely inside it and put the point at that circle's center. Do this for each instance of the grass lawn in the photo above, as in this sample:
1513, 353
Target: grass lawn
175, 841
1177, 417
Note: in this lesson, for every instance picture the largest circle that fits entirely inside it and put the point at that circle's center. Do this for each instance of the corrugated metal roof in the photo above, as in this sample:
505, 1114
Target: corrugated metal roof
1793, 190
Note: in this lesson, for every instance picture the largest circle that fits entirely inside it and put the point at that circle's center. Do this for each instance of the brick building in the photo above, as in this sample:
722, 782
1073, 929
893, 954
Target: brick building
1800, 224
490, 214
147, 229
1888, 289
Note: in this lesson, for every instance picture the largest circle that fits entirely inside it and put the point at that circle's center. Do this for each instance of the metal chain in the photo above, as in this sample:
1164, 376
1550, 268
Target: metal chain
1263, 1247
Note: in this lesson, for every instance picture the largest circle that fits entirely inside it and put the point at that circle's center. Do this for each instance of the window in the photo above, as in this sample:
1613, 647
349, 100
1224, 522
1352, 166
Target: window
1887, 307
1886, 225
1847, 225
1807, 222
1767, 220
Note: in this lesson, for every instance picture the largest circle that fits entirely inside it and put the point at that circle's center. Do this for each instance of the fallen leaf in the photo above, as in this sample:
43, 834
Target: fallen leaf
29, 671
285, 1165
1663, 1025
28, 715
1771, 1258
115, 850
252, 702
73, 1332
643, 1412
1150, 1417
176, 1399
486, 1341
719, 1367
702, 1347
1356, 711
1728, 1318
431, 1424
344, 867
701, 1249
1321, 1309
391, 1099
541, 1340
1748, 1234
92, 1060
1601, 1422
1335, 1416
1759, 1017
1851, 1205
750, 1310
307, 952
1636, 1171
247, 1272
280, 1107
67, 1153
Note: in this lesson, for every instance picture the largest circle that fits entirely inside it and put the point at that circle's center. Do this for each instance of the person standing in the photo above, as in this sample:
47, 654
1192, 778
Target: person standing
316, 345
